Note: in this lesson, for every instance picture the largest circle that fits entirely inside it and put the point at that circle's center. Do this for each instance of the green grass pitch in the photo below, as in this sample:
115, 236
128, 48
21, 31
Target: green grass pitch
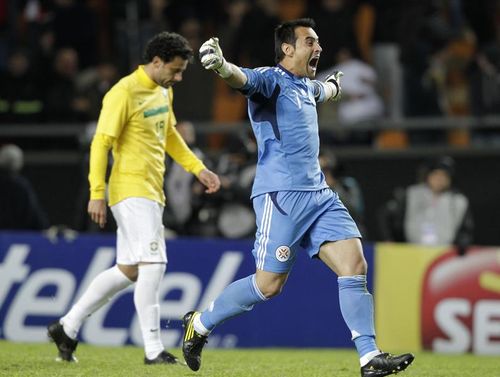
37, 360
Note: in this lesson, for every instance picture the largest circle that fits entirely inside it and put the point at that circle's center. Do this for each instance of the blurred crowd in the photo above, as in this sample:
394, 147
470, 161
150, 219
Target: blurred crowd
401, 59
432, 211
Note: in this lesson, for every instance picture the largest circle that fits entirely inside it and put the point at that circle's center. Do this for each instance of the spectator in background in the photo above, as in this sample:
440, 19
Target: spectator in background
127, 40
485, 91
335, 23
230, 23
92, 84
385, 53
431, 212
484, 72
485, 80
28, 20
74, 25
43, 53
253, 45
63, 103
19, 206
436, 46
448, 67
417, 44
21, 95
360, 101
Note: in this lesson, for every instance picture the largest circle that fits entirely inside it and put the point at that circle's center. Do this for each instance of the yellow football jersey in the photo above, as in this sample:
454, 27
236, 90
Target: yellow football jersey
137, 121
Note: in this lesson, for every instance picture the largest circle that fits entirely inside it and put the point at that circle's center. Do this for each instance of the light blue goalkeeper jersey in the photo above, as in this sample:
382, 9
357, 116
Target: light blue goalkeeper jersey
282, 110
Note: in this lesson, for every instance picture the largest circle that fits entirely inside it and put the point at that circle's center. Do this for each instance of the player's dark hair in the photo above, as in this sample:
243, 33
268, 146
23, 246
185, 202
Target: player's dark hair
167, 46
285, 33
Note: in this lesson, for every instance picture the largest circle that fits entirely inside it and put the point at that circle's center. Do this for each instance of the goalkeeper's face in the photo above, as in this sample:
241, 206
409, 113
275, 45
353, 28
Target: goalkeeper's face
307, 52
167, 74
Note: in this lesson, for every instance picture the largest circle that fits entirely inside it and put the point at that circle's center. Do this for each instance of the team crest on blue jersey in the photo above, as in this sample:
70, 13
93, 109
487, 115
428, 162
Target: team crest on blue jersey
283, 253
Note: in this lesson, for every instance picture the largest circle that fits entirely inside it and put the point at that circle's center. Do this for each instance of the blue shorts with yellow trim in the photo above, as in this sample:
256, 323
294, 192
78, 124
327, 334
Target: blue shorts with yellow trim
289, 221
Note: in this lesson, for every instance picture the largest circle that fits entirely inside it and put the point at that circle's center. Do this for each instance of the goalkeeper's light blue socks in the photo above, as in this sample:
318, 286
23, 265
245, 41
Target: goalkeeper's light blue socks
238, 297
356, 305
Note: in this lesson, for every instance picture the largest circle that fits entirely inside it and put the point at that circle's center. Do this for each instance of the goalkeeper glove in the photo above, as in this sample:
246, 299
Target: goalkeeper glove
211, 58
332, 86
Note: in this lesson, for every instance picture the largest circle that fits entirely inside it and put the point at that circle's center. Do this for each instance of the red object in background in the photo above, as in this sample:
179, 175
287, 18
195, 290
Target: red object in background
461, 303
3, 12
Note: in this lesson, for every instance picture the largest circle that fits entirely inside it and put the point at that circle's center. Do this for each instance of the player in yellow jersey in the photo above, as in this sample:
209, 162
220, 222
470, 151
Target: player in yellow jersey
137, 123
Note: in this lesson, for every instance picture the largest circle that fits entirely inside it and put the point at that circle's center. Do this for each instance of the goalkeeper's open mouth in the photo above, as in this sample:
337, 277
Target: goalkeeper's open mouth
313, 63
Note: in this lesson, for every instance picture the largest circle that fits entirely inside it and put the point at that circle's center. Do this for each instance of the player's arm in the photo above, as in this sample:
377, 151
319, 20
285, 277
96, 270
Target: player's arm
328, 90
112, 119
99, 150
212, 58
177, 148
247, 81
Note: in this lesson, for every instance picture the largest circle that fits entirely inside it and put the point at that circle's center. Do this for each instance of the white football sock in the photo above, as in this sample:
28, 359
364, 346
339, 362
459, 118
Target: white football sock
368, 357
100, 291
198, 326
147, 306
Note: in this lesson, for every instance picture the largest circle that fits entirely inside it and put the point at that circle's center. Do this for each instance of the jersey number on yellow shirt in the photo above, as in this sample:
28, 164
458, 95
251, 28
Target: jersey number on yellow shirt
160, 129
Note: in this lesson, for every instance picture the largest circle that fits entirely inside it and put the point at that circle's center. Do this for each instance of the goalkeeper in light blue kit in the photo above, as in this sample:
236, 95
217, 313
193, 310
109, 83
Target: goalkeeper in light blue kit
295, 209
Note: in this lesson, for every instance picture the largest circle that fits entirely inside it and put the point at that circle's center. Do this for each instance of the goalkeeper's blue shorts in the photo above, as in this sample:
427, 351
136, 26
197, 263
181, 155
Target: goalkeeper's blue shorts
290, 221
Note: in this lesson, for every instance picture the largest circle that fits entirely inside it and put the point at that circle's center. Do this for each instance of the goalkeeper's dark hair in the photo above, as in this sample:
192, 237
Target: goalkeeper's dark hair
167, 46
285, 33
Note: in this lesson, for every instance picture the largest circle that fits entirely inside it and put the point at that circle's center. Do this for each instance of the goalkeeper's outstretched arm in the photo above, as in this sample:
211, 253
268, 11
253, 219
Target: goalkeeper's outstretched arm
212, 58
328, 90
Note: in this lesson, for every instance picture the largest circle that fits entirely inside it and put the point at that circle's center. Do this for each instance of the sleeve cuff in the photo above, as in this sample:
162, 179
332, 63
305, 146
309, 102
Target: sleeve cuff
197, 170
97, 194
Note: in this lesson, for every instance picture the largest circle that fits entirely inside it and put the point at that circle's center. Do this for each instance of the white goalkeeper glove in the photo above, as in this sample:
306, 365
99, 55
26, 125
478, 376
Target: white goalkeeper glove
333, 92
211, 58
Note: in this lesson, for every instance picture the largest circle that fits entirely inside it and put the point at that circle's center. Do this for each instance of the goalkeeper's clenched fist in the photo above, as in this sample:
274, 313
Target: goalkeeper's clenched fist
211, 58
330, 88
332, 82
